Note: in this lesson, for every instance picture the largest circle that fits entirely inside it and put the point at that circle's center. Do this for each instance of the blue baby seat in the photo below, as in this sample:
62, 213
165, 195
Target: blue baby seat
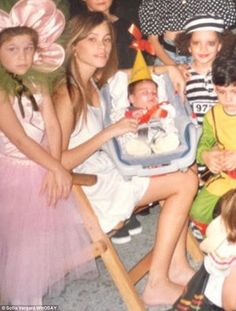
156, 164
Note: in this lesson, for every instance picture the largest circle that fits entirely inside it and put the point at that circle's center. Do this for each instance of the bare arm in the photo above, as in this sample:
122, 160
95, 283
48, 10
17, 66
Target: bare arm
52, 127
74, 157
12, 128
176, 76
229, 289
56, 185
160, 51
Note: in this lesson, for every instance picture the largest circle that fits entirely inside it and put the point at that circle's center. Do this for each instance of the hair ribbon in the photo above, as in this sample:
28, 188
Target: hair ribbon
139, 43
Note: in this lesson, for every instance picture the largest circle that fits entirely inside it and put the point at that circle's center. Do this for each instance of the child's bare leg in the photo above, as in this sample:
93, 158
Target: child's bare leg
178, 190
229, 290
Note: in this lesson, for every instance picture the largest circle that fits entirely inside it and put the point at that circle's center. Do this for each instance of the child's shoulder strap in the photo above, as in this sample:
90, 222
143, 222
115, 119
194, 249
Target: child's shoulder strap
215, 126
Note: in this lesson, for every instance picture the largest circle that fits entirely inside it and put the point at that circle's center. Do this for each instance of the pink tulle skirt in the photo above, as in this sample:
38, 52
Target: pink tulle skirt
39, 245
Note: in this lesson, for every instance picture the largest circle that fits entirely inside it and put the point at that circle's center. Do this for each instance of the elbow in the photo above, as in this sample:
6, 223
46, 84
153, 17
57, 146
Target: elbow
69, 160
66, 162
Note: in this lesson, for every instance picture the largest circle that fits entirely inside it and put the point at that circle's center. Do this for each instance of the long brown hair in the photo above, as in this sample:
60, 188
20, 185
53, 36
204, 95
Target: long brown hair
78, 28
227, 204
226, 38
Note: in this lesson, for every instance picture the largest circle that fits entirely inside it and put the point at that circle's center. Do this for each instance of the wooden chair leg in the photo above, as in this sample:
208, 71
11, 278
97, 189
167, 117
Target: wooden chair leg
193, 247
140, 269
122, 279
103, 247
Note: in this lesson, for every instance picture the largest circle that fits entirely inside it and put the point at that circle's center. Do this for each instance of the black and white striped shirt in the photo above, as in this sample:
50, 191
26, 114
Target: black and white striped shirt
201, 96
200, 93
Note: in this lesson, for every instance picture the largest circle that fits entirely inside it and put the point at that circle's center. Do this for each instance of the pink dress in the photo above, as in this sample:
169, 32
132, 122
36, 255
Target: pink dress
38, 244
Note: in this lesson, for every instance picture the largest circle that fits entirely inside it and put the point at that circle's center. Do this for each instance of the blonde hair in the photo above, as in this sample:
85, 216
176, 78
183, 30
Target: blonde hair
78, 29
227, 204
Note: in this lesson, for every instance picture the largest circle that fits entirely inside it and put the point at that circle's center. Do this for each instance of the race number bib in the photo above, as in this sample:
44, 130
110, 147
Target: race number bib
201, 108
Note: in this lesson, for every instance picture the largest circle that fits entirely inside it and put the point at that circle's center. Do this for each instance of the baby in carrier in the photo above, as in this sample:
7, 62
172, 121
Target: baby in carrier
144, 100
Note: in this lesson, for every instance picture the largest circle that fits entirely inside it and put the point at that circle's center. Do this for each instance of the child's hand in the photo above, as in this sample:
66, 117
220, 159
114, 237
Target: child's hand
64, 182
213, 160
56, 185
178, 80
49, 188
135, 113
123, 126
184, 70
229, 160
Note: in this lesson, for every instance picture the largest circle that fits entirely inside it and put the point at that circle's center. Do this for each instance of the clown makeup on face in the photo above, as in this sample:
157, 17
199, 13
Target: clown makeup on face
204, 46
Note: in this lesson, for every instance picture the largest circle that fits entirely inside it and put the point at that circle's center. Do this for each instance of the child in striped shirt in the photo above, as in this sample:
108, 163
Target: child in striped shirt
203, 38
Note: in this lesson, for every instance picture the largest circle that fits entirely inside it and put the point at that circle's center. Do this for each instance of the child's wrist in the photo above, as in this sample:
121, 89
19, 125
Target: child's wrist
56, 167
107, 133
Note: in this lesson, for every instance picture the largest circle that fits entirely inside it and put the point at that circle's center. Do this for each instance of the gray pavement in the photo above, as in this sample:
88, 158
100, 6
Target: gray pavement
100, 294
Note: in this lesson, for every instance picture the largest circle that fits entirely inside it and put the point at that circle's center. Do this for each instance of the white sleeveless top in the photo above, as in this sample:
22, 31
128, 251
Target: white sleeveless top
112, 198
32, 123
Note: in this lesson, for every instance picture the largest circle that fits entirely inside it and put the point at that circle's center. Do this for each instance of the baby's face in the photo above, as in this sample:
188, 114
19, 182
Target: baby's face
144, 95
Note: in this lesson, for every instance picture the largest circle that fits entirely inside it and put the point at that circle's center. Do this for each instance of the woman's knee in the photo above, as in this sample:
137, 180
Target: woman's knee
229, 304
188, 181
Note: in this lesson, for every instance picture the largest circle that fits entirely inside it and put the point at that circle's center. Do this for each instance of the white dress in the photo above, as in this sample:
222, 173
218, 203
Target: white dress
112, 198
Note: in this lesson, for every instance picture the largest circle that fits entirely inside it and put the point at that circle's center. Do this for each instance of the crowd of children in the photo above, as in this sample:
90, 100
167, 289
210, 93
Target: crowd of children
216, 147
162, 21
43, 138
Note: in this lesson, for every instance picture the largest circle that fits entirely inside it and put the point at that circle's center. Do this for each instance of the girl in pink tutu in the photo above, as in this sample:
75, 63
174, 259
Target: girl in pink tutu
41, 232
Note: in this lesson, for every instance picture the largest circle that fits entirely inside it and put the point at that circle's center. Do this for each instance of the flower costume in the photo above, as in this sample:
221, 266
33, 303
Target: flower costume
38, 244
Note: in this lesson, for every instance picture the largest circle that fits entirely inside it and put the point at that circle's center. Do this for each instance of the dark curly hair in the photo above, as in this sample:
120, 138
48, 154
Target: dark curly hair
226, 38
224, 69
